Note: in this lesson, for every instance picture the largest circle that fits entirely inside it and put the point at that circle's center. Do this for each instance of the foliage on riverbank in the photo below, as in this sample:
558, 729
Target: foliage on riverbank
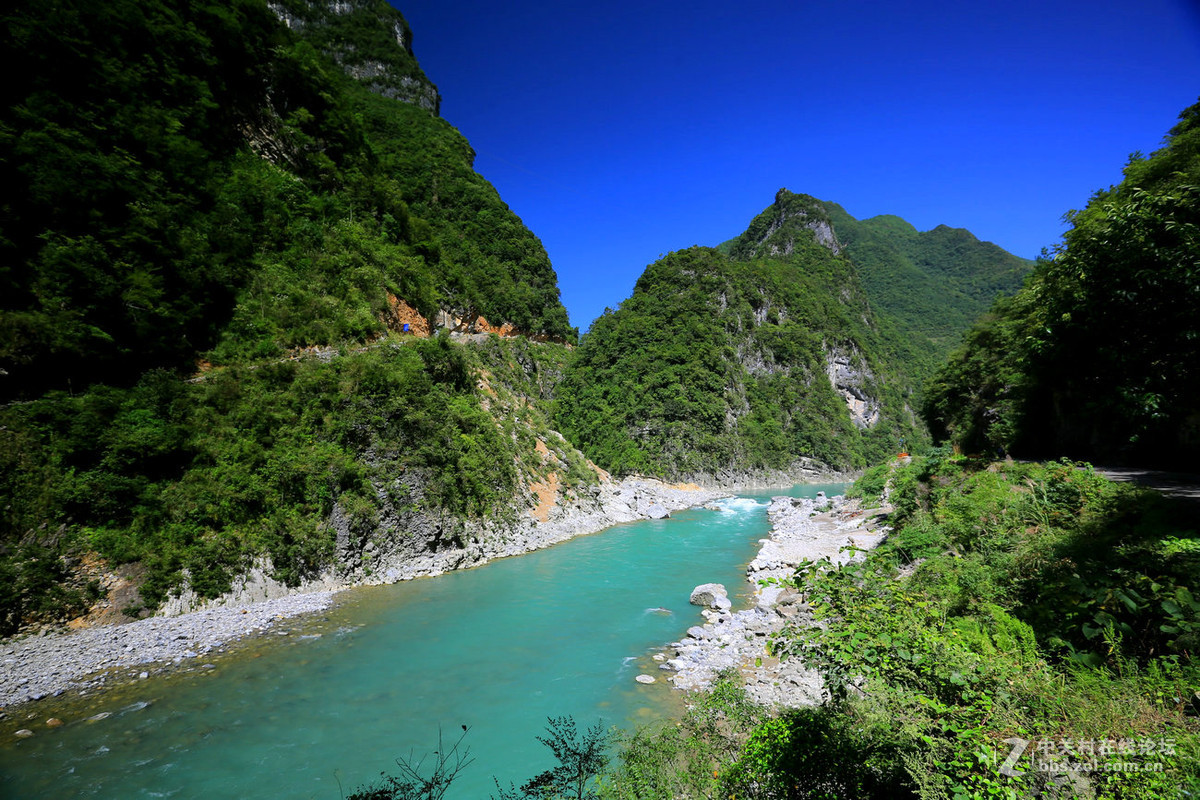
1019, 601
200, 477
1013, 603
1019, 615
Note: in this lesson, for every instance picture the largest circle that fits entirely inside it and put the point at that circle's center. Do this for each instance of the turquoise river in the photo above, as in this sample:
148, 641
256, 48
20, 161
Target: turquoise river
326, 708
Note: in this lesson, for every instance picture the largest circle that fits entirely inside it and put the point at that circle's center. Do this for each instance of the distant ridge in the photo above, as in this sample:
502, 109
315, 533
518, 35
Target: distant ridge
933, 284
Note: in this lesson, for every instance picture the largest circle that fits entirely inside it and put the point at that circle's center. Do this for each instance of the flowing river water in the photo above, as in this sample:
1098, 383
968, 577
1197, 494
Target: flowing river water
329, 706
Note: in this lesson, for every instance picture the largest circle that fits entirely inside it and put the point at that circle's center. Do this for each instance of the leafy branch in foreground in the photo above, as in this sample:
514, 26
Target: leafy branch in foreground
581, 758
410, 784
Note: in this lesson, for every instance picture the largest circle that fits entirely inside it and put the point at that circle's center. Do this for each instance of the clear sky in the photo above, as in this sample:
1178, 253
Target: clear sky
621, 131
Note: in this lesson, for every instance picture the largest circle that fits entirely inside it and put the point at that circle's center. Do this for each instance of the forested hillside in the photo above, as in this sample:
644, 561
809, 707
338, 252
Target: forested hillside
932, 285
182, 176
1097, 356
731, 363
215, 221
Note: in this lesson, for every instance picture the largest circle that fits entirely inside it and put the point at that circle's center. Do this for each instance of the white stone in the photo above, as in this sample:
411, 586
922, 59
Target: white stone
707, 594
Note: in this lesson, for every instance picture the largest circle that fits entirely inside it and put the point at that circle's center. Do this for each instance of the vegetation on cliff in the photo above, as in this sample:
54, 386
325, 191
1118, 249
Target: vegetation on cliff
179, 176
1096, 357
749, 360
191, 185
200, 477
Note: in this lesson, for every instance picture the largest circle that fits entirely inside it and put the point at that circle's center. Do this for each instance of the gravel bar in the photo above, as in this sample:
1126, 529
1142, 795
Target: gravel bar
36, 667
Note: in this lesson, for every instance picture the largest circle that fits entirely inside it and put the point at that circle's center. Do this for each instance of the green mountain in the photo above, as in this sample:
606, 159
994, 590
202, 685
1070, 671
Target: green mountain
216, 221
932, 284
760, 355
230, 180
1096, 356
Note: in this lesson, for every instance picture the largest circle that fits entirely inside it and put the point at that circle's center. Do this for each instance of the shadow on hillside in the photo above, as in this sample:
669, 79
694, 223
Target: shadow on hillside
1119, 586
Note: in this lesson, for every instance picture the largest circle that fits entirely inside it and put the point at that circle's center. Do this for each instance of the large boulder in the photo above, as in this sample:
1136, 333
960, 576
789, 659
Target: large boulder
768, 596
711, 595
657, 511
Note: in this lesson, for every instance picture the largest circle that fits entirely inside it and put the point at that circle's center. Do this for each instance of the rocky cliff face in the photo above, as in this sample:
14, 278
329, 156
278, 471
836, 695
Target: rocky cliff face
852, 378
793, 221
378, 52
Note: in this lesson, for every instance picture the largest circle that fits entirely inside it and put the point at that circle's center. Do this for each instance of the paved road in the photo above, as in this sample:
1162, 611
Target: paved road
1172, 484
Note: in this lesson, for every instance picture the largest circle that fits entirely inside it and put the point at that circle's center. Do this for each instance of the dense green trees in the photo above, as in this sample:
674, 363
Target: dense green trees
166, 167
931, 286
191, 184
203, 476
487, 261
720, 362
116, 133
1097, 355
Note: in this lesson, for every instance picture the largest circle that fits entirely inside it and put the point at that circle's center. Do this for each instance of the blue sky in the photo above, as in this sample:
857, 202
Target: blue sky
621, 131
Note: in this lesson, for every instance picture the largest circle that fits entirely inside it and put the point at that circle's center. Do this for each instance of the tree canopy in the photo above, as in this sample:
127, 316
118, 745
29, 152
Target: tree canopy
1097, 355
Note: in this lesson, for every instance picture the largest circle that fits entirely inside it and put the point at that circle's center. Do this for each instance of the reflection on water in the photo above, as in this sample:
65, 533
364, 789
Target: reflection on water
320, 711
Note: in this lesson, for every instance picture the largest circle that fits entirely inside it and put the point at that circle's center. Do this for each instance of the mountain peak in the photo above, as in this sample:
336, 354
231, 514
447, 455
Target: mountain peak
793, 222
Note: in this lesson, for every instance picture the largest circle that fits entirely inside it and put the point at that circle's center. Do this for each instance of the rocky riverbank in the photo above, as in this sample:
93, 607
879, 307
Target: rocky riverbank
606, 504
802, 529
802, 470
36, 667
39, 666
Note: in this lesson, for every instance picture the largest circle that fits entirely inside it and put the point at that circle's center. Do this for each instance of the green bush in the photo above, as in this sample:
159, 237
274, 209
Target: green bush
871, 484
1043, 603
